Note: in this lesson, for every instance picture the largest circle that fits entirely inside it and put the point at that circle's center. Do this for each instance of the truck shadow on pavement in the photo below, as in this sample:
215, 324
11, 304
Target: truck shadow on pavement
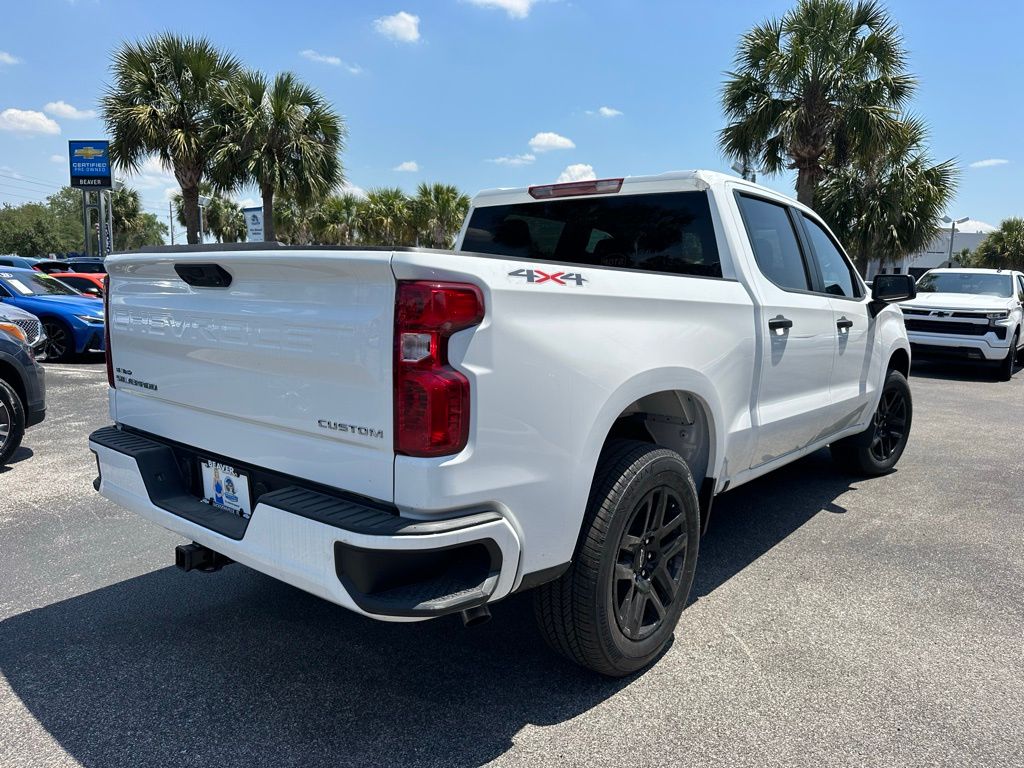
958, 371
236, 669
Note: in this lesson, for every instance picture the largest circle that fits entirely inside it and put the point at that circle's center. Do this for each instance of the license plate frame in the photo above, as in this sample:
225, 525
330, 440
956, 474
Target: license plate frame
232, 496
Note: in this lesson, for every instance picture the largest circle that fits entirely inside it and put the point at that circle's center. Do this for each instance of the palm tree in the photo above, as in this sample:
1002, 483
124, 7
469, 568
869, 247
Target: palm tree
222, 217
336, 219
284, 136
1002, 249
161, 102
438, 210
889, 205
387, 217
823, 84
133, 228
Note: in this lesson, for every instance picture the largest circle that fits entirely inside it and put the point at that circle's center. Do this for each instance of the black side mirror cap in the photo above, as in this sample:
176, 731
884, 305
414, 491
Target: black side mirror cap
892, 288
888, 289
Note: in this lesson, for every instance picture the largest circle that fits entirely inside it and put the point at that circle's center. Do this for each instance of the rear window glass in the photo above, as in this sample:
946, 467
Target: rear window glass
669, 232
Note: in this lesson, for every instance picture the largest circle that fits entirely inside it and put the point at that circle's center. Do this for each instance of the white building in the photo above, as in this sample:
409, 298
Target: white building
936, 254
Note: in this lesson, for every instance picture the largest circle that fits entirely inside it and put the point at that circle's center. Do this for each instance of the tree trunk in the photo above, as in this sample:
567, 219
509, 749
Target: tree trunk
268, 215
807, 183
190, 210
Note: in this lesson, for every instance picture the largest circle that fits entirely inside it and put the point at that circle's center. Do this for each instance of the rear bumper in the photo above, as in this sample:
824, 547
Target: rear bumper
987, 347
358, 555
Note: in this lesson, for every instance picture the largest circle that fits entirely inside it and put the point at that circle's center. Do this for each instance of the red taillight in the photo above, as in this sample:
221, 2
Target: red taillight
431, 397
106, 336
572, 188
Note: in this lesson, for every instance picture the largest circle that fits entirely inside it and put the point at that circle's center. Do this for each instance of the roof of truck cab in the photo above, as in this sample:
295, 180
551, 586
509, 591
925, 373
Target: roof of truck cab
672, 181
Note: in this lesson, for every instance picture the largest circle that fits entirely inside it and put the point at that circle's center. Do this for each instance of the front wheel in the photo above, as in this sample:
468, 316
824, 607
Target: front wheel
615, 609
876, 450
1006, 366
60, 344
12, 422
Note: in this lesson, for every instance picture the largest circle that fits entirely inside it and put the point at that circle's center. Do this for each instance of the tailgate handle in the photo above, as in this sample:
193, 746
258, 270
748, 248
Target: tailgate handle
204, 275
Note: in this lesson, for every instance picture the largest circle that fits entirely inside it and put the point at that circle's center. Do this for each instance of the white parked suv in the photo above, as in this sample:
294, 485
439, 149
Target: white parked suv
553, 404
968, 314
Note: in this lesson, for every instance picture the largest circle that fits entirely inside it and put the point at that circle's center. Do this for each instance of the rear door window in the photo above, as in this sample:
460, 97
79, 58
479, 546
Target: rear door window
774, 242
670, 232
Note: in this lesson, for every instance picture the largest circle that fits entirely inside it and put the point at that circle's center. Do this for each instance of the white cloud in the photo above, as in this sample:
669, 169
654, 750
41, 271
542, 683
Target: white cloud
68, 112
27, 121
605, 112
516, 9
514, 159
992, 161
58, 159
546, 140
409, 166
352, 189
153, 180
403, 27
322, 58
6, 58
334, 61
576, 172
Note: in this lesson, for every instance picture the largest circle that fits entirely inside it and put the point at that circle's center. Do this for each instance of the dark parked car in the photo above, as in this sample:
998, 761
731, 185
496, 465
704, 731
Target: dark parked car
22, 383
17, 261
84, 264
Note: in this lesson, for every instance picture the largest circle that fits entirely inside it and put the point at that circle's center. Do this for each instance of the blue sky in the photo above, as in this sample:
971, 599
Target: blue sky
485, 93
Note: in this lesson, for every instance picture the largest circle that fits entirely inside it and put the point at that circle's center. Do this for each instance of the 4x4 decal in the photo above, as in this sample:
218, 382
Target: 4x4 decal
537, 277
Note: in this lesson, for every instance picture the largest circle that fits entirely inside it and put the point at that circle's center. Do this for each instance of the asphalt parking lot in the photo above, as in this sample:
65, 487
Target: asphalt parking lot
834, 622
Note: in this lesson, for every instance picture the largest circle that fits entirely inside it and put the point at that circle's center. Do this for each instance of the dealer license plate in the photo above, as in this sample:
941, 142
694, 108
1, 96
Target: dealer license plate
226, 488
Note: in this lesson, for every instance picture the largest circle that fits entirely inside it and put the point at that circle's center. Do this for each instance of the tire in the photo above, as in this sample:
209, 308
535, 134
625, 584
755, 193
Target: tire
1007, 365
615, 609
876, 450
59, 346
12, 422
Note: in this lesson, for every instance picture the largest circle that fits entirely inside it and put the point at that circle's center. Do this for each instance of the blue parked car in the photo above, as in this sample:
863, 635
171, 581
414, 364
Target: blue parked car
73, 323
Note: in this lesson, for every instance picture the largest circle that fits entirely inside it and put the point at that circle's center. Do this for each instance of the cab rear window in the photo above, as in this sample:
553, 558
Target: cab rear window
670, 232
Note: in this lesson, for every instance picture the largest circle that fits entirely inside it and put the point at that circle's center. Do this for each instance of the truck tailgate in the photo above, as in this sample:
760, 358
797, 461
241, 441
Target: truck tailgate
288, 367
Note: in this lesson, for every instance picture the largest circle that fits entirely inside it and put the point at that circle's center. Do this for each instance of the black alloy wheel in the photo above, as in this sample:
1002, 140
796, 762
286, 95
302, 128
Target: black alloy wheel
58, 341
649, 570
890, 425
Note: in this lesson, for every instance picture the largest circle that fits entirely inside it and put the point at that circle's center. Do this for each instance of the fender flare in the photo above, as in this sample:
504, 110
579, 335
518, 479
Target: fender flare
647, 383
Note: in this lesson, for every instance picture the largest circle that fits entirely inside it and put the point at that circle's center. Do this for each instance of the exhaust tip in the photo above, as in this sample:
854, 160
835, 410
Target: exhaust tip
474, 617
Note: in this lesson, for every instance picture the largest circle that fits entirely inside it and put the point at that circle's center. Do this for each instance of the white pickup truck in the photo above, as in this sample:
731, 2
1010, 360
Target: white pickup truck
968, 314
411, 433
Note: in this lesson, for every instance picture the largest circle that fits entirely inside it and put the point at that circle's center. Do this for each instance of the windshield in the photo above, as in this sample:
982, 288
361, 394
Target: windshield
978, 283
34, 284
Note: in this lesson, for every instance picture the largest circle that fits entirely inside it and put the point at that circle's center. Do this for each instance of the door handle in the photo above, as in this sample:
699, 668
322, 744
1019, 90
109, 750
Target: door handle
779, 323
843, 324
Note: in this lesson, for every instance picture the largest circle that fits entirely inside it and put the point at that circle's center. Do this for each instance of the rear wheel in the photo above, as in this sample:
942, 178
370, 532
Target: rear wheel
60, 344
617, 606
876, 450
12, 422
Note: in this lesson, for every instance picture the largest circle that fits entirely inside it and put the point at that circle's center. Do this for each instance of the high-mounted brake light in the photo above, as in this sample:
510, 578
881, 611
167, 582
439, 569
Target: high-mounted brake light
595, 187
431, 397
107, 319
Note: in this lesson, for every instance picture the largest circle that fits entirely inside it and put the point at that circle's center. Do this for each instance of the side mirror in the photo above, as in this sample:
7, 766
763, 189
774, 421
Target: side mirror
886, 289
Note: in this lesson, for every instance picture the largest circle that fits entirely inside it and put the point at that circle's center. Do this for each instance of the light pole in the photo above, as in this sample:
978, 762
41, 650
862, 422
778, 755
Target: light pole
746, 170
203, 202
952, 233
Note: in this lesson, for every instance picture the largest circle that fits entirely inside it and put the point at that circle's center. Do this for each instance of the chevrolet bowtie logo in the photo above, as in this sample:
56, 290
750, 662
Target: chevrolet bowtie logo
940, 314
89, 153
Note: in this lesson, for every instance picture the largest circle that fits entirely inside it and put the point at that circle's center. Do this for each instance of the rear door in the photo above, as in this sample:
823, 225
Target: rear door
287, 368
796, 336
853, 381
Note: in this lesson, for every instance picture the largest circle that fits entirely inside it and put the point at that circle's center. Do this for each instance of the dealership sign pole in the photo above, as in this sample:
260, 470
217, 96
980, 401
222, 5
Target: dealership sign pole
90, 172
